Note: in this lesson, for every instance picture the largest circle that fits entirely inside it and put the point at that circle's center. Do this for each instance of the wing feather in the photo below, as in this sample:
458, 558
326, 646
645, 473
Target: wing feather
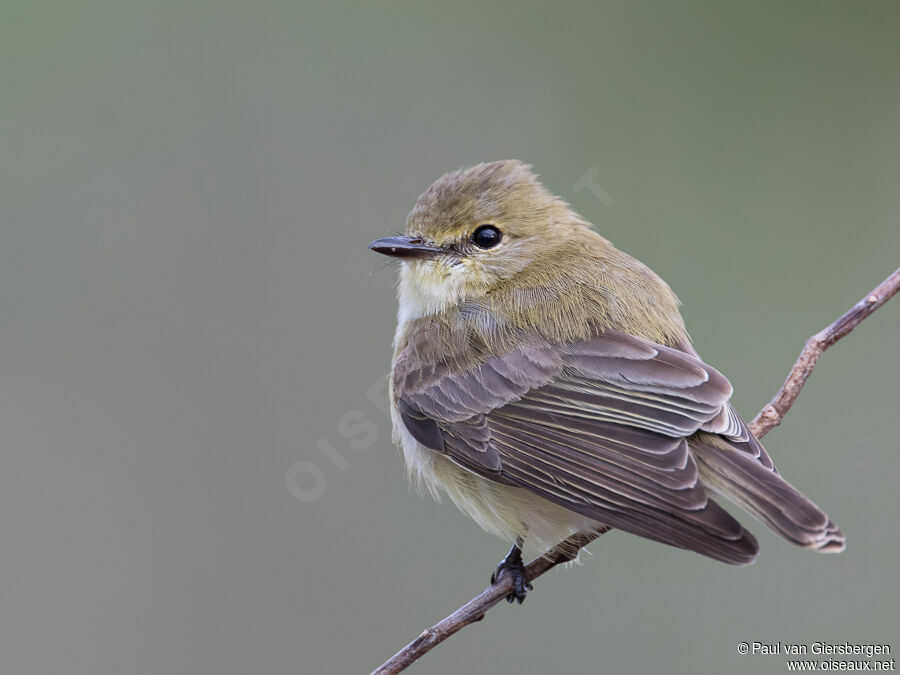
597, 426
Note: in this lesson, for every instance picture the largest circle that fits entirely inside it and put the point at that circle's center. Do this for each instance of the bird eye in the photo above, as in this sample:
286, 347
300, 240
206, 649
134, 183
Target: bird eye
486, 236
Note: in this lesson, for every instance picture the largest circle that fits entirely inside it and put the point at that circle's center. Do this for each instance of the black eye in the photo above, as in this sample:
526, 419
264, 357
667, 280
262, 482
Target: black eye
486, 236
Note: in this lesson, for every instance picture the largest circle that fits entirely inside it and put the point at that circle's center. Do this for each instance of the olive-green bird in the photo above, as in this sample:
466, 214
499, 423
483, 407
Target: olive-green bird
545, 381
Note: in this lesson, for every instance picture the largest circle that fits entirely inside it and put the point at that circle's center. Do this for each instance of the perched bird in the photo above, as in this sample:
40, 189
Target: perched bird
545, 381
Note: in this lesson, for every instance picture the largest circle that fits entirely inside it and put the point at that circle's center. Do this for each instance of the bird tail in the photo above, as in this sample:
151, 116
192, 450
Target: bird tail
743, 473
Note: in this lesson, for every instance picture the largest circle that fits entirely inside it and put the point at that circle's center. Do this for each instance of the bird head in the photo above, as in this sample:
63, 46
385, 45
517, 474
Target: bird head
474, 229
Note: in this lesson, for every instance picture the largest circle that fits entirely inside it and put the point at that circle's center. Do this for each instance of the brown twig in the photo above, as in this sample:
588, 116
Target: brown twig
475, 608
767, 419
775, 410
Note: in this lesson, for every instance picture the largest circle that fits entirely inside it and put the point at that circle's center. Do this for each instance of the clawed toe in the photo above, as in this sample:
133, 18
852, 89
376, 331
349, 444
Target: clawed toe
512, 564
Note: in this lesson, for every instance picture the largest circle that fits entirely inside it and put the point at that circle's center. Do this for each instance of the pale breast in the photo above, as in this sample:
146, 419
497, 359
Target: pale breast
509, 512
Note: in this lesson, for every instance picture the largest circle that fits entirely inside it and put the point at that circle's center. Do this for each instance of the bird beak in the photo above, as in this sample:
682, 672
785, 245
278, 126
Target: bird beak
405, 247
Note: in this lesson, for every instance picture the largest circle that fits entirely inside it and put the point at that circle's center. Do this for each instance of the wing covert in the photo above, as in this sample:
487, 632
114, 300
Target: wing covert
597, 426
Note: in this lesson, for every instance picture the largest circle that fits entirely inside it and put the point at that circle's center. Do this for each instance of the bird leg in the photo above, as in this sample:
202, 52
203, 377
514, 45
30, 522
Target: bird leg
512, 564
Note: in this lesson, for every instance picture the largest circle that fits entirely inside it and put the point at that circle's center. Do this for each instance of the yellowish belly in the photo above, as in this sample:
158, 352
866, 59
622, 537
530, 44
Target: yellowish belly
511, 513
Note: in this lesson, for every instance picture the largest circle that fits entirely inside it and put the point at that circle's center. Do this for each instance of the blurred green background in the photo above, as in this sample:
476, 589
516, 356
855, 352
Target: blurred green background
188, 310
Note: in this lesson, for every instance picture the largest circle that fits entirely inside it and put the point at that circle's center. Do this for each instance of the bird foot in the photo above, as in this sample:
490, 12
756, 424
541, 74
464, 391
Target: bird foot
512, 564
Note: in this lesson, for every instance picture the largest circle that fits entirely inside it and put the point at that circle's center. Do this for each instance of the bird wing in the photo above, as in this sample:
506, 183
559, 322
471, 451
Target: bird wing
598, 426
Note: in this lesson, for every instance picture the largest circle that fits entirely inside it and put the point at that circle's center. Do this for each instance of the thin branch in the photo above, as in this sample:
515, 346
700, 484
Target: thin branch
474, 610
767, 419
775, 410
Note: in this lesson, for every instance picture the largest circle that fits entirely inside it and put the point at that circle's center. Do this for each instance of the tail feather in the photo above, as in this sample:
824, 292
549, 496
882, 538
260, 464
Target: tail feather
764, 493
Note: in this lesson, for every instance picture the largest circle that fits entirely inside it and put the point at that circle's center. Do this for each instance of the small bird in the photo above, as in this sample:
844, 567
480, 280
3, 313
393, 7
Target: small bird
545, 381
